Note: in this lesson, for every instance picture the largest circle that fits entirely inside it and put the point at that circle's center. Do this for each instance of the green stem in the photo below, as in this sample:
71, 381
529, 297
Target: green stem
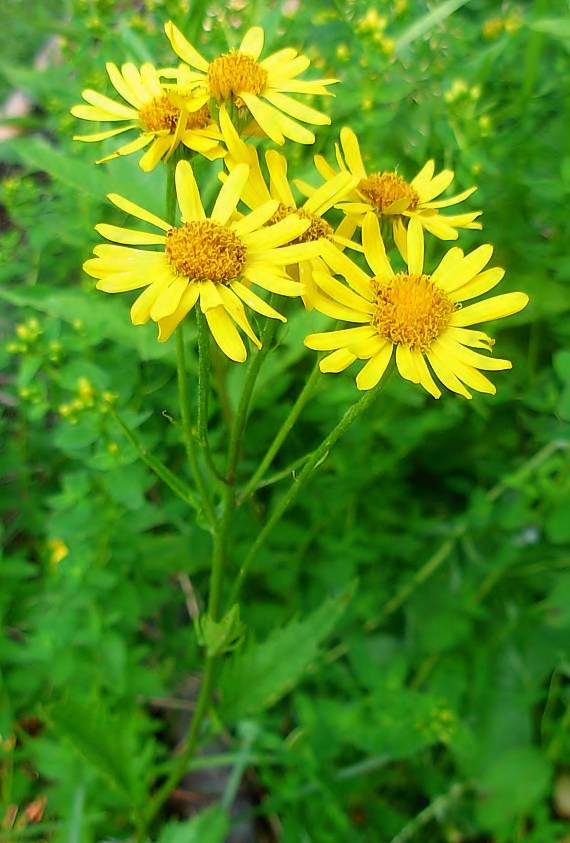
183, 760
282, 434
314, 461
168, 477
187, 427
204, 390
234, 450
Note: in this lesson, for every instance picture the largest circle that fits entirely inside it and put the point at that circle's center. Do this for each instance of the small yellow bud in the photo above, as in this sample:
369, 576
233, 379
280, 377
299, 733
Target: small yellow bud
58, 550
108, 396
492, 28
65, 410
112, 447
342, 52
22, 331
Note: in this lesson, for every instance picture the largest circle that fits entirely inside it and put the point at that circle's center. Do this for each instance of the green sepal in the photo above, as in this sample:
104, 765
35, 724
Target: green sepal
221, 636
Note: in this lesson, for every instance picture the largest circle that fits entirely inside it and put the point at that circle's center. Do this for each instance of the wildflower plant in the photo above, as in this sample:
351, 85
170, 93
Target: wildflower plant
238, 250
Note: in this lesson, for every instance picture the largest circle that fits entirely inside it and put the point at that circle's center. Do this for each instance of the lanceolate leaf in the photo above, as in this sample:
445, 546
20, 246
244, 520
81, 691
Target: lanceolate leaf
259, 676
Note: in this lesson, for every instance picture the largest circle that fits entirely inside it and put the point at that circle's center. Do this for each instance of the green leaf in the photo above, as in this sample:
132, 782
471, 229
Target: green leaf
220, 636
106, 743
259, 676
512, 786
209, 826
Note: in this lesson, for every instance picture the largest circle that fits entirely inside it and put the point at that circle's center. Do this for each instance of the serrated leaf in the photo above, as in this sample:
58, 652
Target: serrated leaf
103, 741
209, 826
259, 676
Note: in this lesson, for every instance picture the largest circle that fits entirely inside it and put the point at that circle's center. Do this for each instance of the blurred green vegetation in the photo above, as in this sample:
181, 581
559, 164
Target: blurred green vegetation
438, 709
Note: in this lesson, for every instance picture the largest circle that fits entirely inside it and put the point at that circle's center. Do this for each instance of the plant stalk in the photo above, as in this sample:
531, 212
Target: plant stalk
314, 461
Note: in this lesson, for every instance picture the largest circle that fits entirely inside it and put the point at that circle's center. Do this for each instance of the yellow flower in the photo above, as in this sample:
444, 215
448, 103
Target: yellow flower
393, 198
163, 115
260, 88
420, 316
57, 550
213, 260
256, 194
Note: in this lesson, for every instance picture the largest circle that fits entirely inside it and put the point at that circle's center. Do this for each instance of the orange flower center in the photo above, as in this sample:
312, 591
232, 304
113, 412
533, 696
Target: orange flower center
317, 229
411, 310
162, 114
235, 73
203, 250
382, 189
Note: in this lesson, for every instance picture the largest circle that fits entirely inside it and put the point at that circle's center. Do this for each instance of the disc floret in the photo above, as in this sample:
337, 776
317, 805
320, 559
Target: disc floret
203, 250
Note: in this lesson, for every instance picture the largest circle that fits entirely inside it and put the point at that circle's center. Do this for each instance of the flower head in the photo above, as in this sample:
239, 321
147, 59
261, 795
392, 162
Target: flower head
211, 260
163, 115
260, 88
418, 315
257, 193
391, 197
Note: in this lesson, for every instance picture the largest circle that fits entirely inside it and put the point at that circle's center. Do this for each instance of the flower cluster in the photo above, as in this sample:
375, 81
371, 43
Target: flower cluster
260, 241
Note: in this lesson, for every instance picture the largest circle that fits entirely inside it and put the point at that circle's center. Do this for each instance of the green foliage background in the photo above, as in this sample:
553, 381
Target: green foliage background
418, 685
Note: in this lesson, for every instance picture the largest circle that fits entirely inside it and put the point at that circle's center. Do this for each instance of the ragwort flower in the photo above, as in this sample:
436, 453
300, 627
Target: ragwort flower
419, 316
256, 193
163, 115
258, 87
211, 260
391, 197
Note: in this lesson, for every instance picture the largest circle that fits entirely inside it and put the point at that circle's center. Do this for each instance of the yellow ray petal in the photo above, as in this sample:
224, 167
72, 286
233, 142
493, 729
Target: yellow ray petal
140, 311
188, 193
371, 373
470, 376
482, 283
129, 236
453, 200
252, 42
97, 100
445, 375
415, 248
265, 116
255, 302
187, 302
471, 358
230, 194
338, 361
278, 234
136, 211
341, 293
424, 176
280, 57
424, 374
474, 339
351, 149
225, 334
89, 112
209, 295
121, 86
296, 109
128, 148
236, 310
132, 77
405, 362
494, 308
154, 154
271, 281
284, 255
335, 310
445, 272
293, 130
278, 182
256, 219
324, 169
329, 340
374, 249
468, 268
169, 299
329, 193
183, 48
122, 282
99, 136
436, 186
342, 265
